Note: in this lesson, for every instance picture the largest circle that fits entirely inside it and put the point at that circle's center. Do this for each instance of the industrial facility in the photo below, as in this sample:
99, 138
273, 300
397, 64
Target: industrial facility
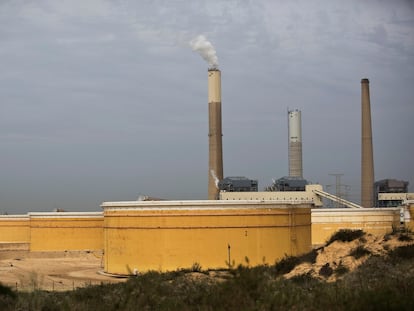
390, 187
236, 222
238, 184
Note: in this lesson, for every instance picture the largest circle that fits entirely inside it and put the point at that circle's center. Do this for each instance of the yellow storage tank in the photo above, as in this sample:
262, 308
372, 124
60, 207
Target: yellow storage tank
60, 231
14, 231
326, 221
169, 235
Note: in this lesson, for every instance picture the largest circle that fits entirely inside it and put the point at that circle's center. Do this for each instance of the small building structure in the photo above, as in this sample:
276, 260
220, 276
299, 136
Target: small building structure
288, 183
393, 186
238, 184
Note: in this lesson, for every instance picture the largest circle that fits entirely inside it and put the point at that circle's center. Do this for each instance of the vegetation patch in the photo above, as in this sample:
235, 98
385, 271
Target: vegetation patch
402, 252
5, 291
196, 267
359, 252
367, 288
345, 235
326, 270
288, 263
341, 269
309, 257
303, 278
405, 237
7, 297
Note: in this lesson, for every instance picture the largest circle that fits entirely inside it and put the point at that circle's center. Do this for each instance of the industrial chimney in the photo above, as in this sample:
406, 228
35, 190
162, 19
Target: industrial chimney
367, 155
215, 162
295, 144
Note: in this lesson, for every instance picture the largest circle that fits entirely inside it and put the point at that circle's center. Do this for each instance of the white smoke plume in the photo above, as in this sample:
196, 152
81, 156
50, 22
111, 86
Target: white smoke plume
204, 47
216, 180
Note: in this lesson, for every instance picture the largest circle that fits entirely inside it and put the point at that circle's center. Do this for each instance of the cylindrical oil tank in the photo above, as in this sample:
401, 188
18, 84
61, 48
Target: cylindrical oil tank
171, 235
326, 221
14, 232
66, 231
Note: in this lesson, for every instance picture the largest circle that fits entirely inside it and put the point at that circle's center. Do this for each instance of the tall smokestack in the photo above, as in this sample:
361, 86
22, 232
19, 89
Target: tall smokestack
295, 144
204, 47
367, 154
215, 162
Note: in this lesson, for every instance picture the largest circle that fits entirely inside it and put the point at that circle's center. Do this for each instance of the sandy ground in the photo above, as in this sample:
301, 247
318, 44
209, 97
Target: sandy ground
339, 254
61, 271
52, 271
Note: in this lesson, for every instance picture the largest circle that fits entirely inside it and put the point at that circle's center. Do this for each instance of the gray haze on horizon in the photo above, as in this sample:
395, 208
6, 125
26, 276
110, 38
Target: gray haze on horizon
105, 100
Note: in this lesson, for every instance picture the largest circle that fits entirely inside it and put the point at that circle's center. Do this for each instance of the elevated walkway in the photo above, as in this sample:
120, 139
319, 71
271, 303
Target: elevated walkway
336, 199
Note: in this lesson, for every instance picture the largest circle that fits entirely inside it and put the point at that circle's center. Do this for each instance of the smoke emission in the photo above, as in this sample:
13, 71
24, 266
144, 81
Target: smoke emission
201, 45
216, 180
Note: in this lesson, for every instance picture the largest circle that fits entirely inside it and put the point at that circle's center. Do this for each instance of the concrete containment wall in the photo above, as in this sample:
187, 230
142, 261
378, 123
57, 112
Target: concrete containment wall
169, 235
66, 231
14, 229
326, 221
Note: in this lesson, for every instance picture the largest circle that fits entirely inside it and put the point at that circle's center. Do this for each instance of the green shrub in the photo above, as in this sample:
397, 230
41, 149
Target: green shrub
7, 298
345, 235
309, 257
402, 252
196, 267
288, 263
6, 291
326, 270
341, 269
303, 278
405, 237
359, 252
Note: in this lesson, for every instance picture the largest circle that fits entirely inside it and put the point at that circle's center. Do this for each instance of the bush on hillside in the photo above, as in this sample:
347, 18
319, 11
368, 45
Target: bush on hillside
345, 235
288, 263
359, 252
402, 252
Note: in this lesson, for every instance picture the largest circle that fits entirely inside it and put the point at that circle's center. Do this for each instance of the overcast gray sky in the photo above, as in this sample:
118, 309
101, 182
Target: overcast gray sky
105, 100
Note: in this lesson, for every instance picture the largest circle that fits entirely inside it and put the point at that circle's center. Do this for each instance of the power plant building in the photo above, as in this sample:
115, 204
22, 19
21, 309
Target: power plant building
288, 183
238, 184
390, 186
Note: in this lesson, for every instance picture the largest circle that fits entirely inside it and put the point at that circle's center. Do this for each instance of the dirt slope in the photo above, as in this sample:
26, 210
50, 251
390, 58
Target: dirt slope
333, 261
